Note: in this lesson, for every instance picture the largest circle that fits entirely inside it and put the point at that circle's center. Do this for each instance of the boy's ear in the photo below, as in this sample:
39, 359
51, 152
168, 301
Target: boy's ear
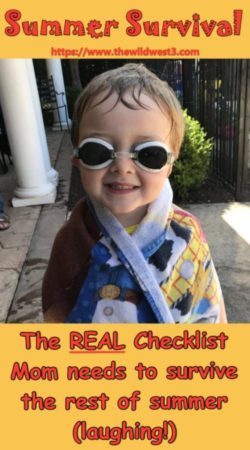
169, 170
74, 161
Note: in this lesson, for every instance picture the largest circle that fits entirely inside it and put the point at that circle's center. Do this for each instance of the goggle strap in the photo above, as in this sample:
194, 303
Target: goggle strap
171, 158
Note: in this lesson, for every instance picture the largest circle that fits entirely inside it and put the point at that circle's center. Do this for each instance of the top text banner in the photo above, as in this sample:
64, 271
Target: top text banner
128, 29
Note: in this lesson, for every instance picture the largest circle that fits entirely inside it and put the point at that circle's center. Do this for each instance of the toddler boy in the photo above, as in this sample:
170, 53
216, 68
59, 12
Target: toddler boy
127, 254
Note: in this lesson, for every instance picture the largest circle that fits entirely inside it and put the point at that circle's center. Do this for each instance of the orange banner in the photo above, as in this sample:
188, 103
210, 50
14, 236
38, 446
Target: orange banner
107, 30
135, 386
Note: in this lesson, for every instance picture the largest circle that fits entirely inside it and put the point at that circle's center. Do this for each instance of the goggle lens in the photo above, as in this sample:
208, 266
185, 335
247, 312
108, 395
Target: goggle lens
94, 154
152, 157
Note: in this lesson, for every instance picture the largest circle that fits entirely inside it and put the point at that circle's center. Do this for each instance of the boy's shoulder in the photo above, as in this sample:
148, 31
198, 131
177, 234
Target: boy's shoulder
78, 234
188, 220
81, 220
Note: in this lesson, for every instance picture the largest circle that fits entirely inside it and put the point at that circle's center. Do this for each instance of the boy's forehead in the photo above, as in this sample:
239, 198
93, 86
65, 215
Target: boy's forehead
105, 103
117, 120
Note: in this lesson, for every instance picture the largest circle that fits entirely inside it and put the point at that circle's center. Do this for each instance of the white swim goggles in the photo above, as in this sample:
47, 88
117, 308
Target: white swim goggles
97, 154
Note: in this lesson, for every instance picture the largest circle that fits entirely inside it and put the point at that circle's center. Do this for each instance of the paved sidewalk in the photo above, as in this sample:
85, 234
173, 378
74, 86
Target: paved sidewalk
25, 247
227, 229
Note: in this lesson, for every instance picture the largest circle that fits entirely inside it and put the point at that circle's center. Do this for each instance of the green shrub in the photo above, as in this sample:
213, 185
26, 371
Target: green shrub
191, 169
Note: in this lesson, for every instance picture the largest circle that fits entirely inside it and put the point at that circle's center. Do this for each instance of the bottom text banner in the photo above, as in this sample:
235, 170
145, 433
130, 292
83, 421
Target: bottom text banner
132, 386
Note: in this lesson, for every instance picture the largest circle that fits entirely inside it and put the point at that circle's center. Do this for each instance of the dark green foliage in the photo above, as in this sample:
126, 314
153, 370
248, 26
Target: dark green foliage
191, 169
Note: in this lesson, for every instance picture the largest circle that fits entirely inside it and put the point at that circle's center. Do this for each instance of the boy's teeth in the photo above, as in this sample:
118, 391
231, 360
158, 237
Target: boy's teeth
121, 187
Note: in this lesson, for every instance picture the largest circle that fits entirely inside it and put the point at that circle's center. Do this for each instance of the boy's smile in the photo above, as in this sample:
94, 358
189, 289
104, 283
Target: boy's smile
123, 187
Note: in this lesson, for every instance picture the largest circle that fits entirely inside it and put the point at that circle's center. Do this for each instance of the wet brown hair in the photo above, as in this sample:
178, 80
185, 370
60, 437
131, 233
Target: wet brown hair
135, 79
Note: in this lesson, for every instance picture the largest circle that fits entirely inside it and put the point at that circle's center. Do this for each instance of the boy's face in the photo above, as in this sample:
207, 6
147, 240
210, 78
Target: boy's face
123, 187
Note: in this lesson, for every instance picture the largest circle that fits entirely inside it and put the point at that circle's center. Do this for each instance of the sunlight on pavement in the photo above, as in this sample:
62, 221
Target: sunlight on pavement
237, 216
